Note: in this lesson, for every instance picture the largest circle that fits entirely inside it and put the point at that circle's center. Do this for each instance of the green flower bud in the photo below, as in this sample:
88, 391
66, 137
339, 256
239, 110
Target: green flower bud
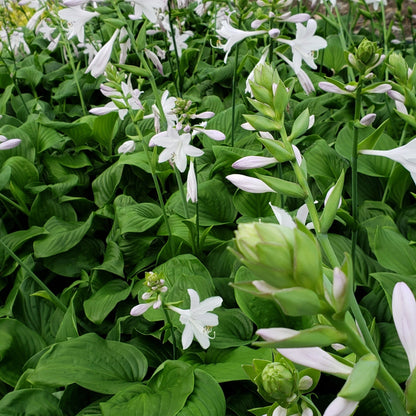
279, 381
398, 67
281, 256
365, 51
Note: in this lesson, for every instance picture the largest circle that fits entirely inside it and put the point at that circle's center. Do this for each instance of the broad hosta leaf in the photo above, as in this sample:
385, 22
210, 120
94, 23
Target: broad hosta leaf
207, 399
18, 343
62, 236
102, 302
104, 186
104, 366
333, 58
225, 365
113, 260
165, 394
215, 204
30, 402
104, 129
234, 329
136, 218
68, 327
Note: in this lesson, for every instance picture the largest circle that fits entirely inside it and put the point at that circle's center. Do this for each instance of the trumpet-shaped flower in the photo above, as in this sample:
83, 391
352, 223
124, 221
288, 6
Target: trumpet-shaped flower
404, 314
98, 64
313, 357
233, 36
148, 8
249, 184
305, 44
180, 39
341, 407
6, 144
198, 319
76, 19
177, 147
405, 155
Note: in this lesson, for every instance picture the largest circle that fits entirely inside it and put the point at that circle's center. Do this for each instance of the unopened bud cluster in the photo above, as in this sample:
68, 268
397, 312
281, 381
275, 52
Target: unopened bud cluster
367, 56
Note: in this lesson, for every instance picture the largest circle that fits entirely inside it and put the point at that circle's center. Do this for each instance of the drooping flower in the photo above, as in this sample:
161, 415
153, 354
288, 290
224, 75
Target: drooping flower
191, 184
76, 18
249, 184
180, 38
341, 407
233, 36
404, 313
6, 144
98, 64
198, 319
405, 155
127, 147
305, 44
148, 8
177, 147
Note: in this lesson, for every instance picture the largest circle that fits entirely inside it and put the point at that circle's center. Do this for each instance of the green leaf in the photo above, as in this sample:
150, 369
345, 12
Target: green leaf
234, 329
62, 236
282, 186
263, 312
225, 365
102, 302
165, 394
68, 327
104, 186
262, 123
18, 343
30, 76
30, 402
104, 366
104, 129
298, 301
333, 56
136, 218
207, 399
113, 260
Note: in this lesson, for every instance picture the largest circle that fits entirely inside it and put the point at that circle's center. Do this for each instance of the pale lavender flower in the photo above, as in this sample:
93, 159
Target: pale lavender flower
330, 87
99, 63
127, 147
6, 144
76, 19
403, 155
233, 36
253, 162
368, 119
249, 184
404, 316
124, 46
191, 184
148, 8
155, 60
341, 407
379, 89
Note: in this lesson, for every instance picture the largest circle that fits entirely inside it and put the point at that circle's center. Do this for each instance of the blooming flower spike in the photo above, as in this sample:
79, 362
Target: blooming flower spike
198, 319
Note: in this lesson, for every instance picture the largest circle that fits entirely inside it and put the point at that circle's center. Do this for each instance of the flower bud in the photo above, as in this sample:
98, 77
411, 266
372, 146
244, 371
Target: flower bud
366, 51
279, 381
399, 67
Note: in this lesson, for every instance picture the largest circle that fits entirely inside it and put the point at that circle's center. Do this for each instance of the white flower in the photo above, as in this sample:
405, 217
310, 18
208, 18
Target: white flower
98, 64
6, 144
376, 3
305, 44
191, 184
180, 39
197, 319
177, 147
233, 36
127, 147
404, 316
341, 407
76, 19
148, 8
317, 358
249, 184
252, 162
285, 219
368, 119
405, 155
155, 60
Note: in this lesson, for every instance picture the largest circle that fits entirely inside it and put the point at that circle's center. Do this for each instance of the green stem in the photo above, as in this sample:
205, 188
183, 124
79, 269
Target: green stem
354, 174
233, 96
17, 206
52, 296
169, 323
328, 249
175, 48
181, 191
